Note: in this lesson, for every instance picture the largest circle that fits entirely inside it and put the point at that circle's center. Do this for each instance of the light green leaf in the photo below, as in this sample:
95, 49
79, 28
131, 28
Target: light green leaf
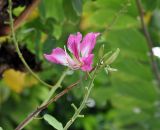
1, 128
70, 13
54, 9
53, 122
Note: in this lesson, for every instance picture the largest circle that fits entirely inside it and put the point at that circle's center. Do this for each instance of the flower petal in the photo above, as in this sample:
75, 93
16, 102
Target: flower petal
87, 62
57, 56
73, 44
88, 43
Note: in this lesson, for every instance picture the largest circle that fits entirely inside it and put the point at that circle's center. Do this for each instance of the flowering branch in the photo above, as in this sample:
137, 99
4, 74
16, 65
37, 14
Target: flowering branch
80, 56
104, 62
17, 47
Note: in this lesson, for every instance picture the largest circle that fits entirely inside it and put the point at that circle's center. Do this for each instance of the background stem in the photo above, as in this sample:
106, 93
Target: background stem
17, 47
149, 43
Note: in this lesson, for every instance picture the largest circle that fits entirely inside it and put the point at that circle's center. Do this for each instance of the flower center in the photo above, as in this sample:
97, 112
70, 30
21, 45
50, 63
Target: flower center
78, 62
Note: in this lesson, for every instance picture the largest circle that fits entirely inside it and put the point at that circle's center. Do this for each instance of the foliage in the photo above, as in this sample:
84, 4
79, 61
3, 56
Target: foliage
124, 100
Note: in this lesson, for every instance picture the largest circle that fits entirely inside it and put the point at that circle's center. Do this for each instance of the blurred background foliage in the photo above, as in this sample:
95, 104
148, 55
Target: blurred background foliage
123, 100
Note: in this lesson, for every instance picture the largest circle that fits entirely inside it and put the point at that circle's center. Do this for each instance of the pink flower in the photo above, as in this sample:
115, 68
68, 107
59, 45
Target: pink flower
82, 57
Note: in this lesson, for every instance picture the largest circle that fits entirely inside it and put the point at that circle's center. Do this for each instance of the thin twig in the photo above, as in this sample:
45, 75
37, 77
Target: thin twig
39, 109
61, 94
17, 47
149, 42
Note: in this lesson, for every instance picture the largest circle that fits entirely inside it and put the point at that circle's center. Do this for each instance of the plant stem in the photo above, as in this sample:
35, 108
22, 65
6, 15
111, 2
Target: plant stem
55, 87
31, 116
83, 103
149, 43
17, 47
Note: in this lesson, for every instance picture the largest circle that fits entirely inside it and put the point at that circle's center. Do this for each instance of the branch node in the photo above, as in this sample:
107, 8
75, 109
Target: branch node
80, 116
86, 88
74, 107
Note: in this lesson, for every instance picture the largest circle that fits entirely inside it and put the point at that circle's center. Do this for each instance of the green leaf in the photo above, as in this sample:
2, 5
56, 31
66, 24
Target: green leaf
77, 6
21, 112
17, 11
108, 10
54, 9
4, 93
150, 5
48, 44
53, 122
129, 48
70, 13
5, 122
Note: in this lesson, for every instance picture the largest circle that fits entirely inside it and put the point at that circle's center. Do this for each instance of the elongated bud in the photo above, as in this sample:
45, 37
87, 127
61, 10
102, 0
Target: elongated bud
112, 58
109, 69
101, 51
112, 69
107, 55
106, 70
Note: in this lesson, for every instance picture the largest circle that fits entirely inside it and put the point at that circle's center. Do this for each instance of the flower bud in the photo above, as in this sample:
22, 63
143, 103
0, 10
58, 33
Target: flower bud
107, 55
112, 58
101, 51
109, 69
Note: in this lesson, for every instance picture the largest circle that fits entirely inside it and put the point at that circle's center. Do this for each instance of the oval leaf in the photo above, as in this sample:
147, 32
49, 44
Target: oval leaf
53, 122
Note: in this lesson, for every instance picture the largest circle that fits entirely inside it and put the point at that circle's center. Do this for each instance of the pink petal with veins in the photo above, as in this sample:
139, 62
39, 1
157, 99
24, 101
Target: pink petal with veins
73, 44
57, 56
87, 62
88, 43
81, 61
